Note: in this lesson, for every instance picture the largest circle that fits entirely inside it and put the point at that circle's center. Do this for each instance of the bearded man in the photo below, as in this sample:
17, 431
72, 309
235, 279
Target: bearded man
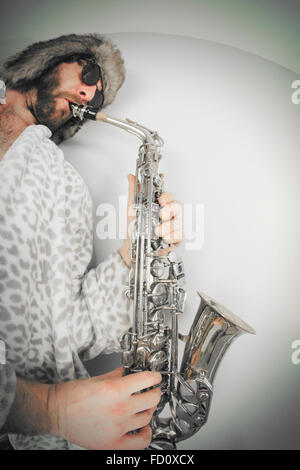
54, 313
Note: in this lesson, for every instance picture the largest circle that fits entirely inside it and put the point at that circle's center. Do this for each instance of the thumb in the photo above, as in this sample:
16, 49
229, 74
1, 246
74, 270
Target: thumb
131, 212
131, 182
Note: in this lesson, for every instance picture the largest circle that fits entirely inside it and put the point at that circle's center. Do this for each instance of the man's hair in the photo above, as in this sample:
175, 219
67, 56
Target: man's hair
27, 86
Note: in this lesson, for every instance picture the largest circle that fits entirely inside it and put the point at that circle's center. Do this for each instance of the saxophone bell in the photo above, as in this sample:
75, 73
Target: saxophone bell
212, 332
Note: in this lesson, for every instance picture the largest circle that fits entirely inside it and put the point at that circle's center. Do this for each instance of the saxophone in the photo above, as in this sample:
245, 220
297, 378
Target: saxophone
156, 287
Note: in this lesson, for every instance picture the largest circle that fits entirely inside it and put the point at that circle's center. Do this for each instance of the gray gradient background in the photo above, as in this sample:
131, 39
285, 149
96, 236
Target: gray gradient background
214, 78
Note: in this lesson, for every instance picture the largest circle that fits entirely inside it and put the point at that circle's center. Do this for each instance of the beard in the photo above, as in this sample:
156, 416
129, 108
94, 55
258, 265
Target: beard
45, 106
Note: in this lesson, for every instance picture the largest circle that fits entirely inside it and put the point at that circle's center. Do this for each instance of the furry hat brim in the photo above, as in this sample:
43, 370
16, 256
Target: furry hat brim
29, 64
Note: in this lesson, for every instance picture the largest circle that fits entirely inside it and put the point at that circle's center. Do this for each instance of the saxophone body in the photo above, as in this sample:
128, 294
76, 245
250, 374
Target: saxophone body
156, 288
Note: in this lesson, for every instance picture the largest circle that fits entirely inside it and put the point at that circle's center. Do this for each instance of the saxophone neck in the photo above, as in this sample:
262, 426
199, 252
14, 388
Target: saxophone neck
147, 136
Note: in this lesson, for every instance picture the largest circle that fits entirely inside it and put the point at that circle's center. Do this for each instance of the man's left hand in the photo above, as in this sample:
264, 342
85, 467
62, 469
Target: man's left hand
169, 228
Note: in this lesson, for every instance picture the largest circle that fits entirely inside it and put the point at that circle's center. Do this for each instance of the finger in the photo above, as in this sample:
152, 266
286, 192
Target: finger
131, 187
146, 400
141, 380
139, 420
131, 212
165, 197
137, 441
174, 238
167, 250
119, 372
170, 210
166, 228
131, 183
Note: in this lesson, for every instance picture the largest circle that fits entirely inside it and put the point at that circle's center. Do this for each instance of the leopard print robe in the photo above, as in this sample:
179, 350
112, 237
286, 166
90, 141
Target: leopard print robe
54, 314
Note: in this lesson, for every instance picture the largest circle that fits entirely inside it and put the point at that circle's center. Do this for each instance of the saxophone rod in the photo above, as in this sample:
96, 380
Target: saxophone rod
84, 112
127, 125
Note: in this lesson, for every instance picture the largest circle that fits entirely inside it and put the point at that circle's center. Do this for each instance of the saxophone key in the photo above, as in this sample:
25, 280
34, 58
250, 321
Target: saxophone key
178, 270
159, 293
157, 360
181, 299
142, 356
158, 342
127, 358
126, 341
157, 268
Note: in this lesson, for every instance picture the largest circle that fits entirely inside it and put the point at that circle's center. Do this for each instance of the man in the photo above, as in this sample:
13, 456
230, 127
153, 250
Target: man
54, 313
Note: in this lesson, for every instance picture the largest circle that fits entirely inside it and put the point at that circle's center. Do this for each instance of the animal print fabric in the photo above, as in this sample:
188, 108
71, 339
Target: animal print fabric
54, 314
7, 391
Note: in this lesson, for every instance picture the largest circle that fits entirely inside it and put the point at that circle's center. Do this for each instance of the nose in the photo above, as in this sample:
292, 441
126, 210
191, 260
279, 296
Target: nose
86, 93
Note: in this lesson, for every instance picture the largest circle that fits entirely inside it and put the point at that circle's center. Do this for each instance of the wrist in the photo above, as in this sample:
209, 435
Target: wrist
29, 413
53, 410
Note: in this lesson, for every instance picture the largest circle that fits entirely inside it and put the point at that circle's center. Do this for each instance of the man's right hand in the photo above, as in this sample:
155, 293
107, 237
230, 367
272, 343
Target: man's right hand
97, 413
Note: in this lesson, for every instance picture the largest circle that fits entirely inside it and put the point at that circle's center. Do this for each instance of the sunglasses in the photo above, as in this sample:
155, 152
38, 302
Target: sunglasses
91, 74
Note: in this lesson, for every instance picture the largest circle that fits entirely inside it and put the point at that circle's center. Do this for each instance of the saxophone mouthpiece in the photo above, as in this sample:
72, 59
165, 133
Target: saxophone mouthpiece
101, 116
82, 112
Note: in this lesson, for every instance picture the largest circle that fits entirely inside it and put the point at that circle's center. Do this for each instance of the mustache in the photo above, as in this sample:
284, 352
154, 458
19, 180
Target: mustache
70, 97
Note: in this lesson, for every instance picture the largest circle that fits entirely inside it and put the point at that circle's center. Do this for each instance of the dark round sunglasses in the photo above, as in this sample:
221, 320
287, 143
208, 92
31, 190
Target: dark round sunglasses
91, 74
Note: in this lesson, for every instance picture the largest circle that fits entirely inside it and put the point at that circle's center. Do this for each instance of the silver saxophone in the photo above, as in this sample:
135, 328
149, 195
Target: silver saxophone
156, 287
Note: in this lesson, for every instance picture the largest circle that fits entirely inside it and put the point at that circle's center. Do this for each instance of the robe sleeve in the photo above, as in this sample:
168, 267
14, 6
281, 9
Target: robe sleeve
101, 311
7, 391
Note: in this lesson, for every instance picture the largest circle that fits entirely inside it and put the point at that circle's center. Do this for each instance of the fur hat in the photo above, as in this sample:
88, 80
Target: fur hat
28, 65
